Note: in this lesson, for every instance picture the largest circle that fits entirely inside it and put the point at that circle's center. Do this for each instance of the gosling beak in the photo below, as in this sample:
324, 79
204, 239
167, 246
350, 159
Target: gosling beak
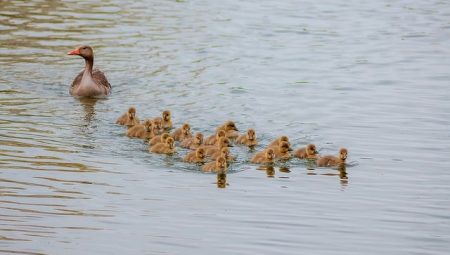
230, 145
290, 149
235, 129
316, 152
74, 52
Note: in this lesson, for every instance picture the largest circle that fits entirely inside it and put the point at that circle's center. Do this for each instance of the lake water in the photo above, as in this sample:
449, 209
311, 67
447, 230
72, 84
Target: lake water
370, 76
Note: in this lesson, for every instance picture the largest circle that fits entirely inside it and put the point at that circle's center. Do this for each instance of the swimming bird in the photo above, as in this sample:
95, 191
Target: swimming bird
282, 151
308, 152
224, 152
168, 147
266, 156
219, 165
197, 156
230, 129
144, 131
193, 142
211, 140
211, 149
330, 160
157, 123
129, 118
182, 133
166, 120
89, 82
248, 138
278, 140
159, 139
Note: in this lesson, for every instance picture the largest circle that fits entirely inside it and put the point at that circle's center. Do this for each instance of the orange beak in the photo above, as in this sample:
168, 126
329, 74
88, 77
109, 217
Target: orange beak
74, 52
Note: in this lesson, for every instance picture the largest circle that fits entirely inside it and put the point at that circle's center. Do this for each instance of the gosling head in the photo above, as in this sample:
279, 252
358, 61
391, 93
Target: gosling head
164, 137
170, 142
166, 115
186, 128
343, 154
148, 124
284, 147
220, 134
229, 126
270, 154
225, 152
198, 139
224, 142
221, 163
132, 112
200, 153
251, 134
157, 122
311, 149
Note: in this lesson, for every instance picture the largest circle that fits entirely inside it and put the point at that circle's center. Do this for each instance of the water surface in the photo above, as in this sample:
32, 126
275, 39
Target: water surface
372, 77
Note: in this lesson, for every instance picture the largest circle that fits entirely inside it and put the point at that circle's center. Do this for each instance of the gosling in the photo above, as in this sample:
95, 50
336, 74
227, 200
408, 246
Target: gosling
197, 156
182, 133
159, 139
143, 131
248, 139
308, 152
264, 157
224, 152
211, 149
330, 160
129, 118
219, 165
278, 140
193, 142
282, 151
211, 140
166, 120
164, 148
230, 129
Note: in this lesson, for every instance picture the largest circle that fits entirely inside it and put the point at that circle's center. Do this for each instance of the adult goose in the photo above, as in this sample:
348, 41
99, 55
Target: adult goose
89, 82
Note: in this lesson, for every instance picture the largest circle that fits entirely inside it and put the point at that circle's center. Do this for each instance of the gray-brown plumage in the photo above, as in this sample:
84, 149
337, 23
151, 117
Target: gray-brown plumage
330, 160
197, 156
308, 152
266, 156
193, 142
89, 82
182, 133
129, 118
248, 138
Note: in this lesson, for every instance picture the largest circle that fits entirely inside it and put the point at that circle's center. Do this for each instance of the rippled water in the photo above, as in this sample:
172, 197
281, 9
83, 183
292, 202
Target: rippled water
371, 76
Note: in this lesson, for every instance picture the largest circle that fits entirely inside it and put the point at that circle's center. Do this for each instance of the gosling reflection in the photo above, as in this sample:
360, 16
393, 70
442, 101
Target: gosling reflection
222, 179
343, 175
284, 169
343, 178
270, 170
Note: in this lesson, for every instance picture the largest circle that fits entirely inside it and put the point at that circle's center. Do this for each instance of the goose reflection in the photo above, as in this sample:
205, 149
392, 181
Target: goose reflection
88, 105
